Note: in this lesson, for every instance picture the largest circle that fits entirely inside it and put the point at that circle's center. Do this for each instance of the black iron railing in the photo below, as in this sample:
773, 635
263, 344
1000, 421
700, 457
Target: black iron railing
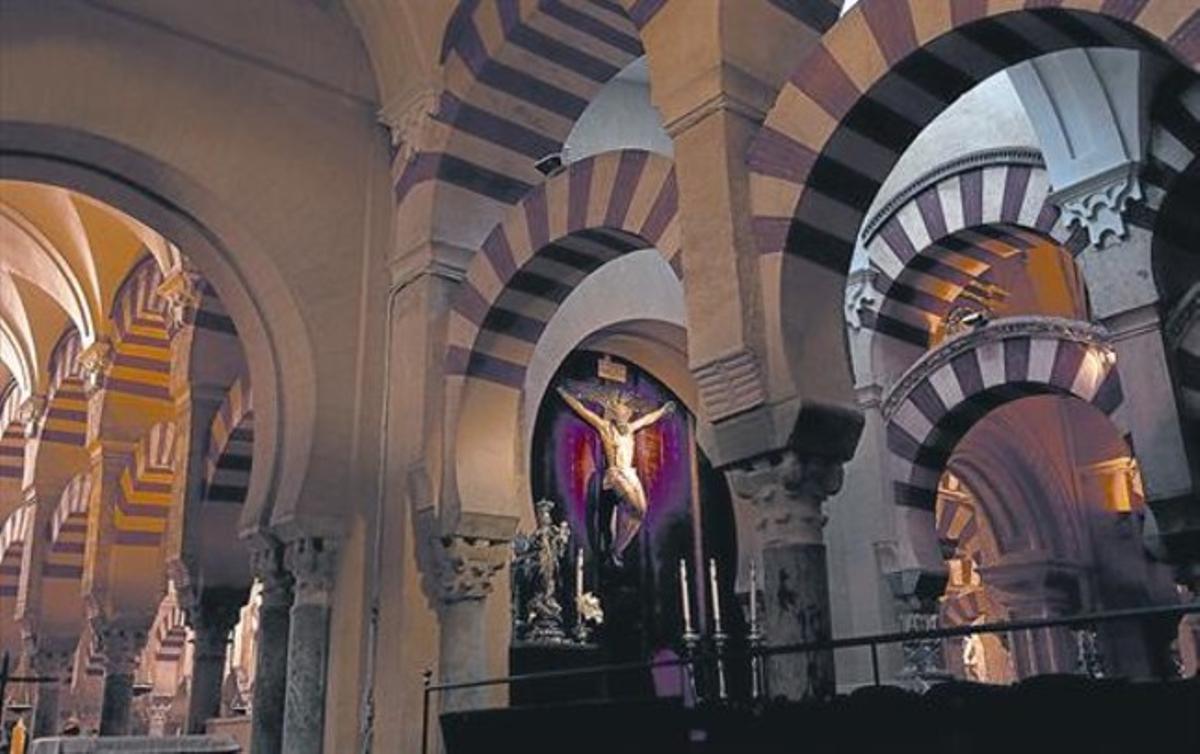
873, 641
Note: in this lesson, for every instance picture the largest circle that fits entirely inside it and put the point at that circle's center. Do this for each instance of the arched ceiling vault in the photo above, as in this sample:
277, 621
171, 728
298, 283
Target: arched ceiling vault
62, 258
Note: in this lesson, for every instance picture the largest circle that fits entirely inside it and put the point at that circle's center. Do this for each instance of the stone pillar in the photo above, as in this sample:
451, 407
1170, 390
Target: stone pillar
212, 616
917, 594
49, 663
787, 492
312, 562
120, 646
271, 647
466, 569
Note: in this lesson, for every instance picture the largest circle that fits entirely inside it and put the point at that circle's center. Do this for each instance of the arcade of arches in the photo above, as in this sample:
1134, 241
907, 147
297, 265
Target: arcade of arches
290, 292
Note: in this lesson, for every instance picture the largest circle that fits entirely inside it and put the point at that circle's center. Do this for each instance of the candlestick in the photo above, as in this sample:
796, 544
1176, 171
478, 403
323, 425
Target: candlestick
578, 576
716, 594
683, 595
753, 596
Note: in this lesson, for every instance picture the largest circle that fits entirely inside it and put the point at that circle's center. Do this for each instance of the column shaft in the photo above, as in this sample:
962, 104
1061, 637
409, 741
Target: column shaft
312, 562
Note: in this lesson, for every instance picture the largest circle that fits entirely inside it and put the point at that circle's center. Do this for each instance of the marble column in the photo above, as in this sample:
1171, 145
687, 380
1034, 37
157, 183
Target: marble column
49, 663
787, 492
466, 570
212, 616
271, 646
120, 646
312, 562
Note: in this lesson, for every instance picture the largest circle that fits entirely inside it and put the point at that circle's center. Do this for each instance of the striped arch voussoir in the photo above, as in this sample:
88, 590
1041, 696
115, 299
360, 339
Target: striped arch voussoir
68, 531
66, 402
883, 72
141, 362
13, 537
948, 390
231, 446
596, 210
144, 500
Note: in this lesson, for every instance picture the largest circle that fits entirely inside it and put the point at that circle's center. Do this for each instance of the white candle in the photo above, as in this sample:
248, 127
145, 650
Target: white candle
683, 596
753, 595
716, 594
578, 575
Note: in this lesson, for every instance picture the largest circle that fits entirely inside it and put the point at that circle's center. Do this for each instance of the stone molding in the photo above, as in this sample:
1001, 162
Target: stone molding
1098, 203
982, 158
995, 330
729, 385
467, 566
787, 492
719, 102
312, 562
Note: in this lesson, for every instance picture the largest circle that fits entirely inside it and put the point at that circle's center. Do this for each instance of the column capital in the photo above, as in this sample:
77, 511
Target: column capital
31, 413
96, 362
787, 491
50, 659
212, 614
312, 562
120, 645
267, 564
467, 566
181, 289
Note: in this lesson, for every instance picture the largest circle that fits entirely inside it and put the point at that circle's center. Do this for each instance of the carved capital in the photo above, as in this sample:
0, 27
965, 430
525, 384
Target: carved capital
95, 363
861, 296
786, 492
312, 561
467, 566
267, 563
730, 385
1098, 204
32, 413
407, 119
48, 659
120, 645
212, 617
181, 289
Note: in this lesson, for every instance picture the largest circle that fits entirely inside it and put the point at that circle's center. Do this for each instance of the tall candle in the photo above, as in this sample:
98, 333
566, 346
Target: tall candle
716, 594
683, 596
753, 596
578, 575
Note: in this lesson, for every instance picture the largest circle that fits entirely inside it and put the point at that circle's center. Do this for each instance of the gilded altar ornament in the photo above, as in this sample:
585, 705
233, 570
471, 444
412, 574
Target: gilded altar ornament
538, 556
618, 429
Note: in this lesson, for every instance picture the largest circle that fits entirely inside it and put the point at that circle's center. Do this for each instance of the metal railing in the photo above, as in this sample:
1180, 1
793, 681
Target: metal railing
873, 641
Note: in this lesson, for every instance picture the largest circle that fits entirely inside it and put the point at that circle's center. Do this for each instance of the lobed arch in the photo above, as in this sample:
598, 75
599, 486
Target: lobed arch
948, 390
596, 210
854, 103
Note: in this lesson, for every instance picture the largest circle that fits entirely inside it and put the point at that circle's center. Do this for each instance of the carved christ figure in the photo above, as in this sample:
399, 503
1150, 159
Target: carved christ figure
617, 430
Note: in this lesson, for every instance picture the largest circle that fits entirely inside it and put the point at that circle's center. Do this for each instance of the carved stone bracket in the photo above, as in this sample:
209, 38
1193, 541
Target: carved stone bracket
312, 562
787, 492
96, 362
730, 384
1098, 204
467, 566
996, 330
